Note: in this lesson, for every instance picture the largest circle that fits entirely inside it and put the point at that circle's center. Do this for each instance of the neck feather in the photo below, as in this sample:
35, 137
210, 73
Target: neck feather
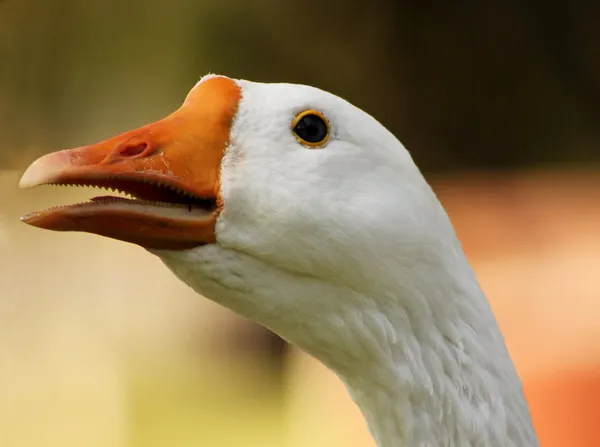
422, 355
440, 375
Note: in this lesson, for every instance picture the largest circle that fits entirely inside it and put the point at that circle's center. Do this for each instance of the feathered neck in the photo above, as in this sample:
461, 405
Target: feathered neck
439, 375
418, 347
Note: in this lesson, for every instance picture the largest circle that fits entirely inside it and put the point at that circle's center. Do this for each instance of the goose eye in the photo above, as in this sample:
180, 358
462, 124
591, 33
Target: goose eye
311, 128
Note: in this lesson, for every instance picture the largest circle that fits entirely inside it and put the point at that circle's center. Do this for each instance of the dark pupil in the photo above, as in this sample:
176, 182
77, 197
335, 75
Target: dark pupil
311, 128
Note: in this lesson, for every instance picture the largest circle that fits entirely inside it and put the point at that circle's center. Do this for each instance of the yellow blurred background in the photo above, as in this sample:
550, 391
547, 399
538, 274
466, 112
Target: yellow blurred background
499, 104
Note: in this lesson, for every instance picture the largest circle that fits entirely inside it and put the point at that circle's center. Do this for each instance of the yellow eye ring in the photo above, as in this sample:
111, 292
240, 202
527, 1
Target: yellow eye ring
311, 128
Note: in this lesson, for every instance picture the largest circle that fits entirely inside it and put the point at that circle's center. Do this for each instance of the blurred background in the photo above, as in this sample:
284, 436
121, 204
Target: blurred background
499, 103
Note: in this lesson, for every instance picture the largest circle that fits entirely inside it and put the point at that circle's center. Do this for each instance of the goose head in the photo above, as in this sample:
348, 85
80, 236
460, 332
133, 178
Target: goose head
296, 209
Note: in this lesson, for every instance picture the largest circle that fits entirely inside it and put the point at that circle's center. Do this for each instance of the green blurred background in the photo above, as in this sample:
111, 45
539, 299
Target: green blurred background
499, 103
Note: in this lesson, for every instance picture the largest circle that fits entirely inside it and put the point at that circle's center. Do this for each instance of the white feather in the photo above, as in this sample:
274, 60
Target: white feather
346, 252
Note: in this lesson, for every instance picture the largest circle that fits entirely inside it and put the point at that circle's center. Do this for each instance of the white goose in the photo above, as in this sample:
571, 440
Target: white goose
294, 208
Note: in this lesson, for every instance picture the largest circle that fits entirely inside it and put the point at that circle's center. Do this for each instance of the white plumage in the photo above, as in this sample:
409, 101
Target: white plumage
345, 251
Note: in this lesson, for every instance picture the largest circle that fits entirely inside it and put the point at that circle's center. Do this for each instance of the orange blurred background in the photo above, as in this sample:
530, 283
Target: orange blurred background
499, 105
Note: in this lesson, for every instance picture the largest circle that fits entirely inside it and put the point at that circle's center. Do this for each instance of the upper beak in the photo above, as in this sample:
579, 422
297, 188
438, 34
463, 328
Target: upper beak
171, 166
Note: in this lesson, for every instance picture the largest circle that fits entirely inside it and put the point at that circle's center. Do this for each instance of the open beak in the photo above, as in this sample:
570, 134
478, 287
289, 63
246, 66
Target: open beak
170, 169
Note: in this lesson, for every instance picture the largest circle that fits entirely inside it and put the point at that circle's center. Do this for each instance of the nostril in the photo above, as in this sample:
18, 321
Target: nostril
132, 149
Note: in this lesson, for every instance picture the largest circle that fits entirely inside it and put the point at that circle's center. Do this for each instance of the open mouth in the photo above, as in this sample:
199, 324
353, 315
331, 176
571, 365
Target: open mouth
143, 194
167, 173
154, 211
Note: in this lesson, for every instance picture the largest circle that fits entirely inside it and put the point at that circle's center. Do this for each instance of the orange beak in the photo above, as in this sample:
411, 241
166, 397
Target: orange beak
171, 168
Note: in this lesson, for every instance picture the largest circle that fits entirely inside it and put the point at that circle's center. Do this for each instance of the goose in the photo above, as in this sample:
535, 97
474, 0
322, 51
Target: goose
295, 209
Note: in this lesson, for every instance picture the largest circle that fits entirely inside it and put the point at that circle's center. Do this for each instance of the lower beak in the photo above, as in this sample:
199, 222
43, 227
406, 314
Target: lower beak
170, 169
